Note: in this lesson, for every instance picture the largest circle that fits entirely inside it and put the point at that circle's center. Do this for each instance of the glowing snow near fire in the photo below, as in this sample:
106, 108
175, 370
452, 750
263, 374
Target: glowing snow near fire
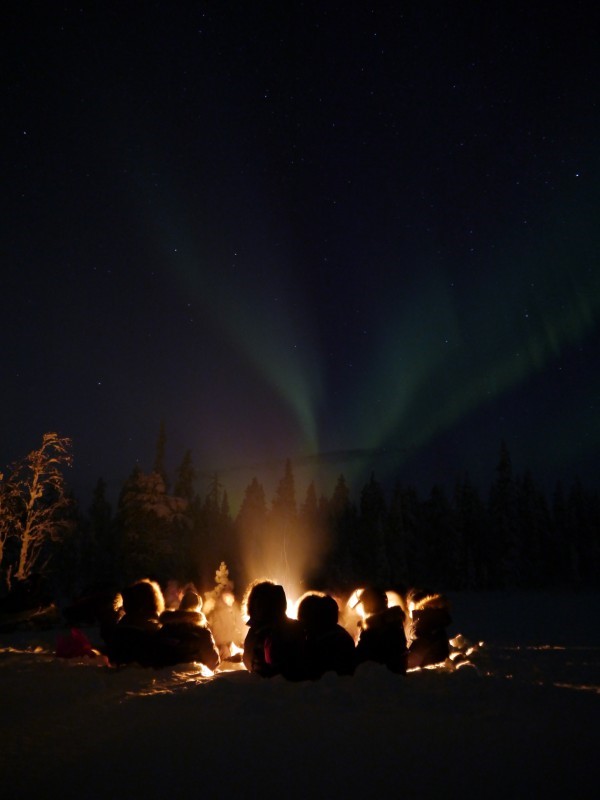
520, 721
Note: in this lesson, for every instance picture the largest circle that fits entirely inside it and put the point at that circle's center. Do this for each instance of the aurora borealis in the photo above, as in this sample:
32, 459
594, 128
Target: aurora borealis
363, 231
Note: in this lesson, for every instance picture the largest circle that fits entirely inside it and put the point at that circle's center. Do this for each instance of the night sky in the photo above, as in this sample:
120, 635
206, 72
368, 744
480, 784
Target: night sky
360, 235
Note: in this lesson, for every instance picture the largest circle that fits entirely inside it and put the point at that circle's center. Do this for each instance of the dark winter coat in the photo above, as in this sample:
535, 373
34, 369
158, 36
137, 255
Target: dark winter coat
183, 620
329, 647
427, 633
149, 644
329, 650
276, 648
134, 640
382, 639
185, 637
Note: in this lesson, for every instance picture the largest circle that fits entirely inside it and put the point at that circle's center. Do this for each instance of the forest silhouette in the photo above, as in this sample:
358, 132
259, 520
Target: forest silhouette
514, 535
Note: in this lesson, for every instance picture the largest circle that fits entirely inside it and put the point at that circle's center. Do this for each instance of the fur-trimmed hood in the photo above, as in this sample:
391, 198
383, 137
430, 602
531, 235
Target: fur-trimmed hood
182, 617
430, 616
432, 601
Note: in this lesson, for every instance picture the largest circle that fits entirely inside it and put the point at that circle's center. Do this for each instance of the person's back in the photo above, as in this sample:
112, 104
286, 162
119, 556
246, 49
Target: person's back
284, 649
382, 638
274, 644
134, 637
188, 617
329, 647
428, 637
185, 636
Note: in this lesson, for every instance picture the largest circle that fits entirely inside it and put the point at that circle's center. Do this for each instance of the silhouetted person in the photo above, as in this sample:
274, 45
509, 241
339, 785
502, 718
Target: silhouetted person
274, 644
382, 638
185, 636
188, 614
134, 638
428, 639
99, 603
329, 647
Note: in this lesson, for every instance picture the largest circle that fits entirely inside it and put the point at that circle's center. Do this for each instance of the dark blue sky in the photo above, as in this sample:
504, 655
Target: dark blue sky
314, 228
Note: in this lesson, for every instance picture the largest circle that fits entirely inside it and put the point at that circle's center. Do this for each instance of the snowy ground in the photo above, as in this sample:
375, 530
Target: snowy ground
521, 722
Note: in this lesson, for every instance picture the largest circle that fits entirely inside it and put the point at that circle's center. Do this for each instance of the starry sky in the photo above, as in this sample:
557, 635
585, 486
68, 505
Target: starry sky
363, 236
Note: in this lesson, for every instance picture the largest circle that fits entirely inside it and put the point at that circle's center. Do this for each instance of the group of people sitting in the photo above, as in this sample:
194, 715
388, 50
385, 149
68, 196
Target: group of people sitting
136, 628
142, 631
316, 643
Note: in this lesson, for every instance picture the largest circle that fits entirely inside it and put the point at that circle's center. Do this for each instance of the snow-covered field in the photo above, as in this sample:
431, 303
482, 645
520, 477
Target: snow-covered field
522, 721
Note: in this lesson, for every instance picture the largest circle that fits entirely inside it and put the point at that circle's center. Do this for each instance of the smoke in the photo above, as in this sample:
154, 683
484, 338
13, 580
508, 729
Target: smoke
287, 552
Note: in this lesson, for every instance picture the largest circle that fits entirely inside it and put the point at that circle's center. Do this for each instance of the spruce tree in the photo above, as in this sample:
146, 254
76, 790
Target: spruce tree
284, 503
442, 550
534, 532
310, 508
150, 527
313, 538
250, 529
472, 525
583, 532
342, 524
208, 532
185, 478
503, 545
395, 541
563, 566
369, 553
414, 544
283, 524
98, 557
159, 458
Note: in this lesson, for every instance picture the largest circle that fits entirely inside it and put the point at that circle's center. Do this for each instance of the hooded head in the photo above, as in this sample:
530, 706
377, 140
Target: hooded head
190, 601
373, 600
143, 598
266, 602
318, 611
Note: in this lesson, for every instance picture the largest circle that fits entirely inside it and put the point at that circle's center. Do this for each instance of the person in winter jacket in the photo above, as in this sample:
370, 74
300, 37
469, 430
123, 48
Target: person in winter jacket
274, 644
428, 639
329, 647
382, 637
134, 638
187, 616
185, 636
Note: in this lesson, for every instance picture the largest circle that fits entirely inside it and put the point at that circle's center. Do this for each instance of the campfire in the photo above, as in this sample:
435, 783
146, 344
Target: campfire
214, 630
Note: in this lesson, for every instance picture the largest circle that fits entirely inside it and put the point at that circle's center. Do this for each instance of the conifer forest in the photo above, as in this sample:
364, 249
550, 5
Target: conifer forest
163, 527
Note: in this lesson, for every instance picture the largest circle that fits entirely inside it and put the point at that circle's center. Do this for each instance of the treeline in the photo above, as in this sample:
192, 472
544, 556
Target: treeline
514, 535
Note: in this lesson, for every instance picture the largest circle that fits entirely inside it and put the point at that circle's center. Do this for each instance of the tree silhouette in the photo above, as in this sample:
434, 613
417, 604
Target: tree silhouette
35, 506
151, 528
98, 551
343, 524
504, 564
250, 528
472, 525
369, 546
283, 520
185, 479
396, 540
160, 453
